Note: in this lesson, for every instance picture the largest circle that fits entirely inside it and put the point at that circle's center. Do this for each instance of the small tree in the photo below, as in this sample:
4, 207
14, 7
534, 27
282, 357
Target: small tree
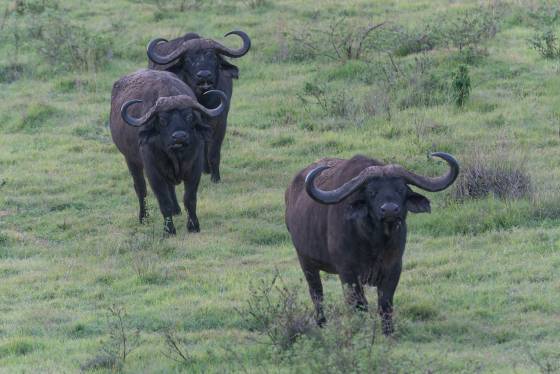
461, 85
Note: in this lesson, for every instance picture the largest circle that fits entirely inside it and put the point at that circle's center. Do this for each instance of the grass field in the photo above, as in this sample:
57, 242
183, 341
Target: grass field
480, 288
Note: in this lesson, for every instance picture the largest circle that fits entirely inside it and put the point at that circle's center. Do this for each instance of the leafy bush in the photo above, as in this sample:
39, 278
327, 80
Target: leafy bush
11, 72
332, 102
414, 42
68, 46
538, 14
421, 84
468, 31
546, 43
461, 85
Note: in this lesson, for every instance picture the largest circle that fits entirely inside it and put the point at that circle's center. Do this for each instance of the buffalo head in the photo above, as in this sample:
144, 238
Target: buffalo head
202, 59
175, 118
385, 196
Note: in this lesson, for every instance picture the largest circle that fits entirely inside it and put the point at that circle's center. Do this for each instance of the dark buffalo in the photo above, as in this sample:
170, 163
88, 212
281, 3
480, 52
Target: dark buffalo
156, 124
200, 63
348, 217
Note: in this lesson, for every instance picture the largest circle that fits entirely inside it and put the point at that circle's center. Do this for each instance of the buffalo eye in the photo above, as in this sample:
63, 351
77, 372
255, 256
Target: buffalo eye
162, 121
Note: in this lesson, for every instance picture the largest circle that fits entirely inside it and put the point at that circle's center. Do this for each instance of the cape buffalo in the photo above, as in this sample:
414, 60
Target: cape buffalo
348, 217
156, 124
201, 64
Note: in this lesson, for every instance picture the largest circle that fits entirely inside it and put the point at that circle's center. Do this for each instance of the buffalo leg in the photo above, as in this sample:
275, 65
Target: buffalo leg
140, 188
161, 189
354, 291
176, 207
313, 279
206, 165
214, 149
385, 291
191, 188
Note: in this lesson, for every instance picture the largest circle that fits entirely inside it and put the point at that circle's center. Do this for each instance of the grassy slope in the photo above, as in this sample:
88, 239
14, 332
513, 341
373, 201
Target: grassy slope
479, 288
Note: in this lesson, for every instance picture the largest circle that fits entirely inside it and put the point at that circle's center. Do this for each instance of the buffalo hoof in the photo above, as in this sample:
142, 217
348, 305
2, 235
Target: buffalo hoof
193, 226
388, 331
215, 178
388, 328
169, 227
321, 321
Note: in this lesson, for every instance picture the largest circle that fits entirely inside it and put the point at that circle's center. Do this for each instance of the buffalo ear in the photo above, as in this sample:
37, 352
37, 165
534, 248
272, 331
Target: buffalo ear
357, 210
417, 203
228, 68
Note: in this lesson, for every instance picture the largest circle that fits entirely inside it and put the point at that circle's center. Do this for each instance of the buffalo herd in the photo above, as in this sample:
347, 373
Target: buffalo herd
345, 216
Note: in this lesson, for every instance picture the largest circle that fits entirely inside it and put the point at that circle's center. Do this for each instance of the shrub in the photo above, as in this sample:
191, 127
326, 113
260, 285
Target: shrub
11, 72
421, 84
274, 310
468, 31
538, 14
414, 42
341, 39
176, 348
546, 44
67, 46
347, 344
488, 173
121, 342
332, 102
461, 85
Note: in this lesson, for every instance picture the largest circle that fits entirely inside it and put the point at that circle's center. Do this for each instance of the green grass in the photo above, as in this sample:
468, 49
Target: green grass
479, 289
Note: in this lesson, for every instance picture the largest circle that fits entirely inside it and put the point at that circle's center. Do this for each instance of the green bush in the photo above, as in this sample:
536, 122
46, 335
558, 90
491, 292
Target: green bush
461, 86
275, 310
421, 84
469, 29
68, 46
546, 44
415, 42
11, 72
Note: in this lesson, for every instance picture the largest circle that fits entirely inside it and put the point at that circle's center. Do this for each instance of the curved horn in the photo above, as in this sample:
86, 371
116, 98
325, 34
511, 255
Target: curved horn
434, 184
132, 121
162, 59
217, 110
223, 50
337, 195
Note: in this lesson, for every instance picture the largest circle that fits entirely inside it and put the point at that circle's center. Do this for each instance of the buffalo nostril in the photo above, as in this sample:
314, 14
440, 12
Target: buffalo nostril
179, 136
390, 209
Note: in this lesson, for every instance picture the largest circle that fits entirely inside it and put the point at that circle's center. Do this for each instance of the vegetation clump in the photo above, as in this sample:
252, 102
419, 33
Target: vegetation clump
461, 85
546, 44
497, 173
